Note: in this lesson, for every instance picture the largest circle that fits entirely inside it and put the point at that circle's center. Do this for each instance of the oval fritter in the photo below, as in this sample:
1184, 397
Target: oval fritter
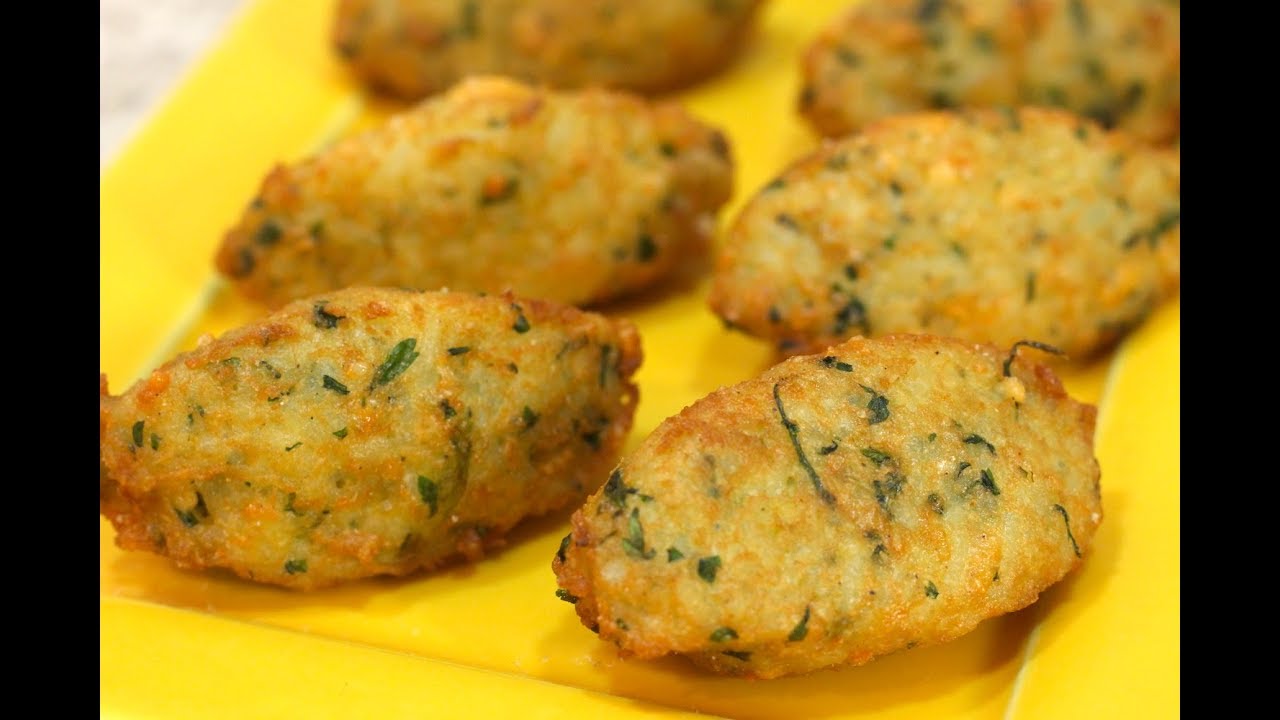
366, 432
889, 493
412, 48
1117, 61
573, 197
985, 225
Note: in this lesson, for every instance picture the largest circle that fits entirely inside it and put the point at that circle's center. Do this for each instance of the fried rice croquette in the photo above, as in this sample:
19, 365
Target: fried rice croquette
985, 225
413, 48
573, 197
886, 494
1117, 61
366, 432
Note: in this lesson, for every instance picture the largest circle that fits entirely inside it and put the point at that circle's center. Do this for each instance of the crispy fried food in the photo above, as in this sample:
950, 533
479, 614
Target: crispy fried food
412, 48
886, 494
366, 432
985, 225
573, 197
1117, 61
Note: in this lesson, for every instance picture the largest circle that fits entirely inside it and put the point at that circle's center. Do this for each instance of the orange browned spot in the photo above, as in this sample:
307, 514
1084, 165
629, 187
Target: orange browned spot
376, 309
154, 387
496, 187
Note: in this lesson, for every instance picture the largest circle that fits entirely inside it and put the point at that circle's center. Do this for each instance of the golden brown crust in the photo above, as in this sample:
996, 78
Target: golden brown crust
495, 186
413, 48
885, 494
1117, 61
985, 225
366, 432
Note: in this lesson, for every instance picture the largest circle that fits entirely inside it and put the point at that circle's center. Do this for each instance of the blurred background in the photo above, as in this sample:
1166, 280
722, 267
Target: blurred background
144, 49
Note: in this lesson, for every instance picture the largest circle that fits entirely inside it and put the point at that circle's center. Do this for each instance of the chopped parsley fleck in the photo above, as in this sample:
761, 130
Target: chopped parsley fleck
988, 481
1013, 352
793, 431
564, 547
155, 441
340, 433
878, 405
521, 325
828, 449
933, 436
743, 655
1066, 519
1079, 15
976, 439
633, 544
605, 352
935, 502
529, 417
294, 446
322, 318
295, 566
646, 249
801, 629
832, 362
879, 457
460, 350
931, 590
430, 493
928, 10
137, 432
673, 554
399, 360
334, 385
708, 567
852, 314
566, 596
887, 490
721, 634
616, 490
268, 234
469, 25
447, 409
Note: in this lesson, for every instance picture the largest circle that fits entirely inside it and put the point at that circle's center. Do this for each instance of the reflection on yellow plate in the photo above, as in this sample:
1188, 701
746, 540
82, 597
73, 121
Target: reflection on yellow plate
491, 640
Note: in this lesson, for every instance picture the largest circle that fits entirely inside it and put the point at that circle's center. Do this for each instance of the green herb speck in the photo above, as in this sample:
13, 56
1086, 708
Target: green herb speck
295, 566
340, 433
322, 318
460, 350
879, 457
708, 567
332, 384
268, 234
723, 633
633, 544
430, 494
399, 360
931, 590
137, 433
801, 629
673, 554
521, 325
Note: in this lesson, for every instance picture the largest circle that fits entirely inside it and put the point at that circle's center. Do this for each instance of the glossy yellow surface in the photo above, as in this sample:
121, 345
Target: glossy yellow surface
491, 640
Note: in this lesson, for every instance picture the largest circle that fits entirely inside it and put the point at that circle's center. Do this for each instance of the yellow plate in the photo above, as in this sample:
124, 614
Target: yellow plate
491, 640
